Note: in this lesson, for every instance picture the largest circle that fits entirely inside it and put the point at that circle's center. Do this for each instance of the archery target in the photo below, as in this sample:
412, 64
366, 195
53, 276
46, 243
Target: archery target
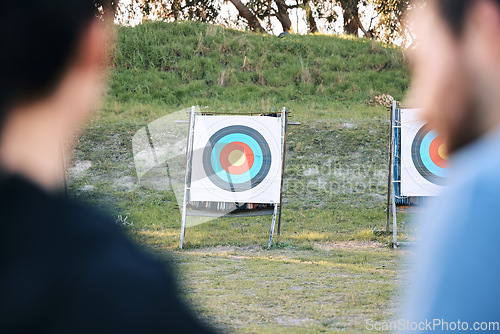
423, 157
236, 159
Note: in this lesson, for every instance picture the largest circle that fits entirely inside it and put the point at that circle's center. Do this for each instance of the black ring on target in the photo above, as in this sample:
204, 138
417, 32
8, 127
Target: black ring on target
416, 154
237, 186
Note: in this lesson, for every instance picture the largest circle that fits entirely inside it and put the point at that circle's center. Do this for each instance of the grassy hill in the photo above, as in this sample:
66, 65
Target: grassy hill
168, 66
325, 272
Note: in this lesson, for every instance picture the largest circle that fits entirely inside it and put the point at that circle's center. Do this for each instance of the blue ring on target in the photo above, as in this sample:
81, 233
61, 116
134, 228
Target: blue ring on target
420, 153
426, 156
241, 178
234, 182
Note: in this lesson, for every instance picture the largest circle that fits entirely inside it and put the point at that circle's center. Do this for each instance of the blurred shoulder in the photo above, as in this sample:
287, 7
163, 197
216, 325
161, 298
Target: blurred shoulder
78, 272
72, 232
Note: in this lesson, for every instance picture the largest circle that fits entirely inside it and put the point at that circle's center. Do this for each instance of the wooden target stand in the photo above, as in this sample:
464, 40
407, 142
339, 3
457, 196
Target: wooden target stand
276, 207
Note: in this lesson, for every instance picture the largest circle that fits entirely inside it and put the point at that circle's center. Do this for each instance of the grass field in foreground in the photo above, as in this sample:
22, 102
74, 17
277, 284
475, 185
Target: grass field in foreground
330, 288
330, 270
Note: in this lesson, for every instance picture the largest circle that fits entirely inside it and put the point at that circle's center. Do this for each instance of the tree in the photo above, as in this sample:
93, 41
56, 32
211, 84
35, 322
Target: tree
255, 11
107, 8
258, 15
350, 11
282, 15
352, 22
392, 21
203, 10
248, 15
311, 21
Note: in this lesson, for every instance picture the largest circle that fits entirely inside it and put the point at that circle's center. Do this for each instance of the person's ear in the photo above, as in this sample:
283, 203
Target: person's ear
94, 50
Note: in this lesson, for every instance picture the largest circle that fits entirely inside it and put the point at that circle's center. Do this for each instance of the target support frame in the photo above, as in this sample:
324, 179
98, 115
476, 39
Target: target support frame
187, 182
394, 192
278, 206
189, 158
394, 197
391, 181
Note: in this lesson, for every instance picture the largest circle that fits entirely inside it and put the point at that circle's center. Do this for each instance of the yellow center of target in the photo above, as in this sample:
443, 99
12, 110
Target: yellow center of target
236, 158
442, 152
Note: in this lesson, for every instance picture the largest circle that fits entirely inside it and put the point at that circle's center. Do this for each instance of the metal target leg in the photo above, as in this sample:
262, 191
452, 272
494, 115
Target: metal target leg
183, 228
391, 161
394, 221
392, 190
284, 125
279, 221
273, 224
187, 181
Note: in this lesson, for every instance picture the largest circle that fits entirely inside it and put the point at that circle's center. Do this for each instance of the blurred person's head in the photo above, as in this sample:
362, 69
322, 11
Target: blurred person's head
51, 74
456, 68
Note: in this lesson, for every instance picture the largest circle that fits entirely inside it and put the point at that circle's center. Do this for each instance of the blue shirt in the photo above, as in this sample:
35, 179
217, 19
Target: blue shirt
456, 273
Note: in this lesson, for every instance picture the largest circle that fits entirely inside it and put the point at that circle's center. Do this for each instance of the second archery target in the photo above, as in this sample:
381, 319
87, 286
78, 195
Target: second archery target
423, 157
236, 159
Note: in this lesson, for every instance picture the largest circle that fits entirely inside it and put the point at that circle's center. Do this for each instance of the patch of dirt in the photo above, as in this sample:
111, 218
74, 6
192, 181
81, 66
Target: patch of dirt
88, 187
79, 168
324, 246
328, 246
126, 183
290, 321
228, 249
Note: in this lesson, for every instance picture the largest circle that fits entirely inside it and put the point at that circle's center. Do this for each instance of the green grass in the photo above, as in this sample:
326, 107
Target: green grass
161, 67
334, 188
330, 269
247, 290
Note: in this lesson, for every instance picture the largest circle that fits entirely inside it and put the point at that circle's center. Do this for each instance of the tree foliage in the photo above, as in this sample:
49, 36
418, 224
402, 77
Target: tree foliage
196, 10
107, 8
393, 18
387, 24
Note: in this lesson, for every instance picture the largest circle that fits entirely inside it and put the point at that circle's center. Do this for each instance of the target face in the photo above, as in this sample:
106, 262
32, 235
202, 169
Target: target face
236, 159
423, 157
429, 155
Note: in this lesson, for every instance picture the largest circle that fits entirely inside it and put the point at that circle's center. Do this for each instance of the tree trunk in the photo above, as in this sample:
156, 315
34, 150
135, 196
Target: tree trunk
247, 14
283, 17
176, 8
352, 23
313, 27
109, 8
349, 12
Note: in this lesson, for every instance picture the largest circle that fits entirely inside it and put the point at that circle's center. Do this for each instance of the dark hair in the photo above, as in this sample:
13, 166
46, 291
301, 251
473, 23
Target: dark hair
454, 12
37, 41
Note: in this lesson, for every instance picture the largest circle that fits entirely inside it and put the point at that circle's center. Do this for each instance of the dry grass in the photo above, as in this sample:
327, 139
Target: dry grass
250, 290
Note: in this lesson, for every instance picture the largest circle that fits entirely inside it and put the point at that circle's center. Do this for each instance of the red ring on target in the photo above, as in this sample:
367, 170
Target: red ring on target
434, 152
236, 169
